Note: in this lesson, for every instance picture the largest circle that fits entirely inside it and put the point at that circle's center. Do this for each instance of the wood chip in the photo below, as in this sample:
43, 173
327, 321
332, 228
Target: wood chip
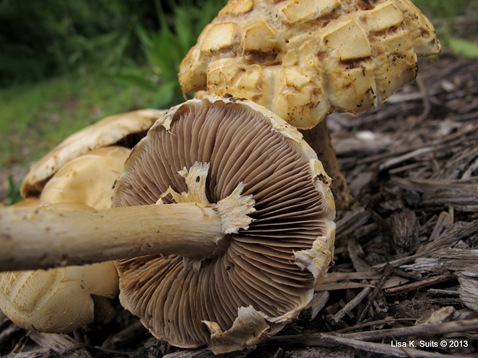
430, 281
441, 315
61, 344
439, 193
404, 226
469, 287
352, 304
317, 303
351, 221
424, 330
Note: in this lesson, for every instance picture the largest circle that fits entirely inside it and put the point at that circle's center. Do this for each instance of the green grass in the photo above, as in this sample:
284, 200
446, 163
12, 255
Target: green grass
34, 118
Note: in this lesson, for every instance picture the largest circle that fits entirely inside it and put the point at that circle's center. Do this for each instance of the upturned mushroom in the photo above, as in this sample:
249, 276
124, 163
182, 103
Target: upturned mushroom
223, 221
305, 59
65, 298
125, 129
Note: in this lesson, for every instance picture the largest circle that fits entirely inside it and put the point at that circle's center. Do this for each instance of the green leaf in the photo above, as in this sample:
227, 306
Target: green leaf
183, 23
165, 49
135, 79
165, 95
462, 47
13, 191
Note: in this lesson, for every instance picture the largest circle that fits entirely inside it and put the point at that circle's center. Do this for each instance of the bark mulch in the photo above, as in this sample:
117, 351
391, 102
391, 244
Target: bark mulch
405, 279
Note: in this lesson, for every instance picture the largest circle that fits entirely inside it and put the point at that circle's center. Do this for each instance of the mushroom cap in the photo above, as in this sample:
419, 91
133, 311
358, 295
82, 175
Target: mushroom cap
304, 59
88, 179
108, 131
258, 279
61, 299
57, 300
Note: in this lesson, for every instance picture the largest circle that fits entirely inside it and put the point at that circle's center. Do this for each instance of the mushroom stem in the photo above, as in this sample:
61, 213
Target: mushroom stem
319, 139
43, 238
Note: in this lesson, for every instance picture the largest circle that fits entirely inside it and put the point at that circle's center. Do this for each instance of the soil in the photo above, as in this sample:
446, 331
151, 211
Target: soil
405, 278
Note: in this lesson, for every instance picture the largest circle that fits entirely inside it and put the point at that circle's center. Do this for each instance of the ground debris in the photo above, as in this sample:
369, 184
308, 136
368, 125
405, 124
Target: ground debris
469, 287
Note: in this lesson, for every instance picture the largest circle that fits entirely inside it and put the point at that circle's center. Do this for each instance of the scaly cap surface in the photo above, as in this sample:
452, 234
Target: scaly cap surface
304, 59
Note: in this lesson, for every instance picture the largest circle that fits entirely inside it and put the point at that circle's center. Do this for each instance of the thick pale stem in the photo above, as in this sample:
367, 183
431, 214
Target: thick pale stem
319, 139
72, 234
42, 238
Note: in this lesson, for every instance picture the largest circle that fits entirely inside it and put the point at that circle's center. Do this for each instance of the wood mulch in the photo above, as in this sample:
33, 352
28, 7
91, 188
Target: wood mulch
405, 279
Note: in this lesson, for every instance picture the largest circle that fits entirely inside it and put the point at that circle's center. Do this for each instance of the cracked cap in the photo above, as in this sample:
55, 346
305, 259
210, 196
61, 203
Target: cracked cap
106, 132
261, 276
305, 59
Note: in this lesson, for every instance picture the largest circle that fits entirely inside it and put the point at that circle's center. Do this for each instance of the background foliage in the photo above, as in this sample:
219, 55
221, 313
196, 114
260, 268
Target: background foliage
43, 39
67, 63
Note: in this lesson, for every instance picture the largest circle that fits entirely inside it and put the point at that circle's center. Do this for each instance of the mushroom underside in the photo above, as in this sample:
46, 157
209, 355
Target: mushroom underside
256, 273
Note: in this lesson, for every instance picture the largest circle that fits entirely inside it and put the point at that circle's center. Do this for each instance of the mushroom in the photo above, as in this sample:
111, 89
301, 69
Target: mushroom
63, 299
305, 59
232, 213
87, 179
122, 128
